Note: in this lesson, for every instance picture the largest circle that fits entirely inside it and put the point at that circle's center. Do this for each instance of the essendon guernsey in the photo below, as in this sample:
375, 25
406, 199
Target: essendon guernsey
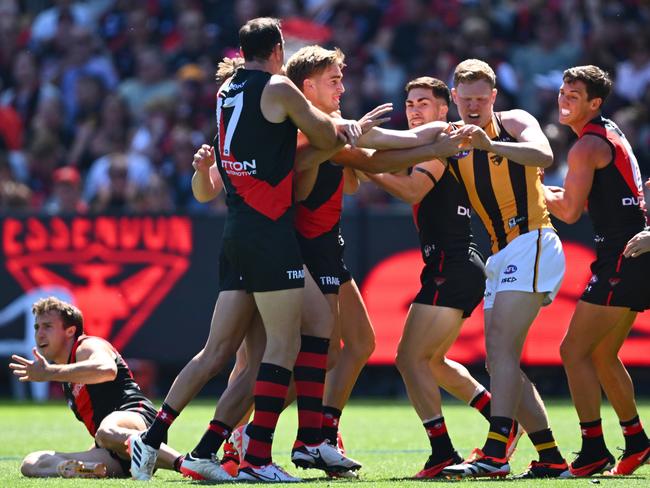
320, 212
255, 157
91, 403
442, 218
616, 204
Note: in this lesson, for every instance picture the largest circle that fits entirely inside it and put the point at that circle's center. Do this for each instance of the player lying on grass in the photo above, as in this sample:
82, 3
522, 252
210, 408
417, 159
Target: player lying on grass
99, 388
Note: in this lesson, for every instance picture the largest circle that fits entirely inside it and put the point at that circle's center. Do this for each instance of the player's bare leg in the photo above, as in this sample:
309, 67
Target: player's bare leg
425, 328
589, 327
116, 428
94, 463
355, 328
590, 356
227, 330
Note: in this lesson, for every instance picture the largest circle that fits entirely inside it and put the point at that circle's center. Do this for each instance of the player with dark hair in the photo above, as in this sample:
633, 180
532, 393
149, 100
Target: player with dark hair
99, 388
603, 172
453, 281
258, 112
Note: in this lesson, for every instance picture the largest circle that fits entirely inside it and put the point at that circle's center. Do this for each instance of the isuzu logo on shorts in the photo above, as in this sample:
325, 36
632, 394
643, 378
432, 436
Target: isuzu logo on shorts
511, 268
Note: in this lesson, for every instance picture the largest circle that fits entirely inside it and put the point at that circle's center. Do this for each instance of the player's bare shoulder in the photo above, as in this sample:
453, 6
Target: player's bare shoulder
278, 93
93, 345
592, 150
518, 121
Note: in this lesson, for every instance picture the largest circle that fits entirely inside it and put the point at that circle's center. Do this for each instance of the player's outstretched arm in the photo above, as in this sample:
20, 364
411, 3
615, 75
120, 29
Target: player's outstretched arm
392, 160
95, 364
206, 180
380, 138
411, 188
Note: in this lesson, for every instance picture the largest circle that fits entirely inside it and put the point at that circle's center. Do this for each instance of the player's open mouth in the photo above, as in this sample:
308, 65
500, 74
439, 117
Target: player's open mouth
43, 345
474, 116
565, 112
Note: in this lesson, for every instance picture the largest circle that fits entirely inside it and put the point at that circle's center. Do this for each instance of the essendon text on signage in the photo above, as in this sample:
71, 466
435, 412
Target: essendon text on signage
170, 234
117, 268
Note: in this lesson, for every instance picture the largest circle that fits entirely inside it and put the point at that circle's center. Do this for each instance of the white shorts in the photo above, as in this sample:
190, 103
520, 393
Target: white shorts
532, 262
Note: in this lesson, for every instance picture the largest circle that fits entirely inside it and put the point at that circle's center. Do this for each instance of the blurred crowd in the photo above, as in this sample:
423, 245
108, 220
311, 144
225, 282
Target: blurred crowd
103, 102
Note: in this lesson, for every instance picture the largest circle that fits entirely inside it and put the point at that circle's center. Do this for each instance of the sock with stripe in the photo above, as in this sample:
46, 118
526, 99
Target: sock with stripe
441, 447
593, 442
309, 377
157, 433
495, 445
636, 439
546, 446
331, 420
482, 403
270, 392
212, 439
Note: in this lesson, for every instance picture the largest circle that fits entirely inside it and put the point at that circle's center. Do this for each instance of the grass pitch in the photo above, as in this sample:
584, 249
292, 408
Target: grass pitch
386, 436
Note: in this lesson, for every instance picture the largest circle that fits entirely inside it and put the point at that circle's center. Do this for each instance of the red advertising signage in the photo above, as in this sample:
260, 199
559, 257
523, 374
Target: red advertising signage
393, 283
118, 269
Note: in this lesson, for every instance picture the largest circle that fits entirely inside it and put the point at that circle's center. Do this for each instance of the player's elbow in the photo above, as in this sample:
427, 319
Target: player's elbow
572, 217
545, 160
108, 372
411, 197
202, 198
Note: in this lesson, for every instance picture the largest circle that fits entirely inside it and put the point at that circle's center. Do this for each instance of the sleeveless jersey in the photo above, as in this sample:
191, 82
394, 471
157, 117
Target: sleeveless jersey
255, 157
320, 212
442, 218
507, 196
616, 203
91, 403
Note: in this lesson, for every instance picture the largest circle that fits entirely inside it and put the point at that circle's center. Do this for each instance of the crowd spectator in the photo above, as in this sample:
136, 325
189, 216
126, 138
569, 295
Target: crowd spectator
99, 87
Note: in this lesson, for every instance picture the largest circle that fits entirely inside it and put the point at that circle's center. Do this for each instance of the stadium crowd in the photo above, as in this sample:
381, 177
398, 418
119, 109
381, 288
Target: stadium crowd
103, 102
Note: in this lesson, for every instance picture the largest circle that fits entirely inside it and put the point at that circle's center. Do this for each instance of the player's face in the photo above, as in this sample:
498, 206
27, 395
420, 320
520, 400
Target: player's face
51, 337
422, 107
475, 101
574, 104
326, 88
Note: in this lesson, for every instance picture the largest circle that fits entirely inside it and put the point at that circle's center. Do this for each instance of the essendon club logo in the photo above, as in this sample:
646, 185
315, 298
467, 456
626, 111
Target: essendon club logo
117, 268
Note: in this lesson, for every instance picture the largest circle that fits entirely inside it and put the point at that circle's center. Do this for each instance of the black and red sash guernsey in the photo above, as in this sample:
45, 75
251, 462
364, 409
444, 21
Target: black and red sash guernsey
616, 204
91, 403
320, 212
255, 157
443, 220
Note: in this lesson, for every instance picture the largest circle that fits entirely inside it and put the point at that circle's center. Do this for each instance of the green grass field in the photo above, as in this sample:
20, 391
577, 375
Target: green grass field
385, 435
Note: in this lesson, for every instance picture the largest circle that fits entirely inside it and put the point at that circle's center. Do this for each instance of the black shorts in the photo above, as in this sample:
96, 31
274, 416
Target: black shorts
323, 257
458, 284
618, 281
266, 257
148, 412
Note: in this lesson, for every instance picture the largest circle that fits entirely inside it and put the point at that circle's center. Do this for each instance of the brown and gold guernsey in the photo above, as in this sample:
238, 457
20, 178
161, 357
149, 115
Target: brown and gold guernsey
507, 196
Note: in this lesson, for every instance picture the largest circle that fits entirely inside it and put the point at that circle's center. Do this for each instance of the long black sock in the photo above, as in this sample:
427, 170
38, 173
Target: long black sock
331, 419
636, 439
495, 445
212, 439
546, 446
157, 433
